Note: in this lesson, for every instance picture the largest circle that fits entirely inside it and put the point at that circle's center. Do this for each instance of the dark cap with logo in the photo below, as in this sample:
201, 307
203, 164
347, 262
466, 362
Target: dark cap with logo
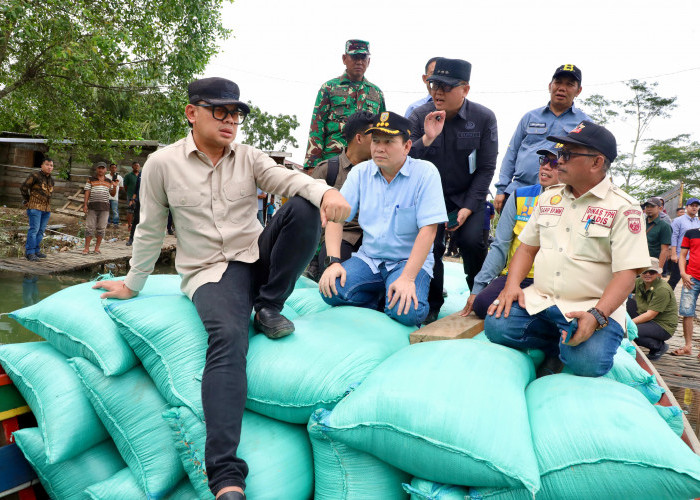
655, 201
568, 69
216, 90
451, 71
357, 47
552, 150
592, 136
390, 123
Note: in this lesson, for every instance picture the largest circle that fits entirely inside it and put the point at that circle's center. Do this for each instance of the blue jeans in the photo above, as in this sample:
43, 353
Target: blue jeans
592, 358
689, 298
114, 212
37, 225
363, 288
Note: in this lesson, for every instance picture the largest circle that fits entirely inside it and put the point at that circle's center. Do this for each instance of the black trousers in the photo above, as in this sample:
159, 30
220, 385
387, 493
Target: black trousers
491, 293
286, 245
346, 251
135, 220
651, 334
470, 242
675, 273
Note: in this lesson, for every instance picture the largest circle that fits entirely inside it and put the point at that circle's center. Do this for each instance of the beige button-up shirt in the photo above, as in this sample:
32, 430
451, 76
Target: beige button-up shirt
577, 258
214, 209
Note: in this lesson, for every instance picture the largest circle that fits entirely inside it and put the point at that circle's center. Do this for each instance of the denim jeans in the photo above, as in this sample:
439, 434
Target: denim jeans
689, 298
520, 330
224, 308
363, 288
114, 212
38, 219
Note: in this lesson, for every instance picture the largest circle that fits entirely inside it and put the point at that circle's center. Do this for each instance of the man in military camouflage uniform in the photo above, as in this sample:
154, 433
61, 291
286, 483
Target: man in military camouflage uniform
337, 100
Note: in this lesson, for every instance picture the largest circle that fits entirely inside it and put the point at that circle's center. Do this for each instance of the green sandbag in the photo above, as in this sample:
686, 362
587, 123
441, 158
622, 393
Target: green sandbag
329, 351
627, 371
450, 411
74, 322
278, 455
130, 406
53, 391
67, 480
455, 283
629, 347
632, 330
304, 282
536, 355
167, 335
673, 416
420, 489
343, 473
586, 448
123, 486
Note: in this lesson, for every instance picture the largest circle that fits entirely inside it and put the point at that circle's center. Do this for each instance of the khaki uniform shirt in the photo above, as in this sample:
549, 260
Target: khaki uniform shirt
214, 208
352, 232
576, 262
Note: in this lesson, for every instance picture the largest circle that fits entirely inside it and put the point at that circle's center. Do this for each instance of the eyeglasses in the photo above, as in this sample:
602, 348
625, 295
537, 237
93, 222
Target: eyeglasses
544, 159
435, 86
566, 155
220, 113
649, 272
359, 57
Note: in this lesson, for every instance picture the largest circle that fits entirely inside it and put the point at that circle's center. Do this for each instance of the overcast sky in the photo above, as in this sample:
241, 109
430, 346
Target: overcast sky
282, 51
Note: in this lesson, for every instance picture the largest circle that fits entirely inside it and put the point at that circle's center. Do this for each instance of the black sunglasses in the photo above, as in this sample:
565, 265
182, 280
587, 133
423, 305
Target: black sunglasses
442, 86
220, 113
359, 57
566, 155
544, 159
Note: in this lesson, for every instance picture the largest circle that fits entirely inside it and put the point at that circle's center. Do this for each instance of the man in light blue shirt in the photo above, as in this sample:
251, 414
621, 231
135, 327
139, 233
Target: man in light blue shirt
400, 202
679, 226
520, 163
429, 68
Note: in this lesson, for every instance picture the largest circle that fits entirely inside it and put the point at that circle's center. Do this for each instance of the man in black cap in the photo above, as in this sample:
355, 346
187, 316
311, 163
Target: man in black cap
586, 241
400, 204
461, 139
229, 264
337, 100
658, 231
520, 163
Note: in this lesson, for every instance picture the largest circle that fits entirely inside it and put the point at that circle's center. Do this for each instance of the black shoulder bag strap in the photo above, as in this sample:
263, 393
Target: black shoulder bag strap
332, 172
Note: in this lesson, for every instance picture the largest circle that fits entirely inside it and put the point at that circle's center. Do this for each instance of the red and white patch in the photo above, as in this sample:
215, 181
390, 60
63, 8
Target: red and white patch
632, 212
549, 210
600, 216
634, 224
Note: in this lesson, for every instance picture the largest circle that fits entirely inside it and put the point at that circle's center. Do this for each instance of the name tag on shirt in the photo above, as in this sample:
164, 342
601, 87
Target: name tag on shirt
536, 128
600, 216
549, 210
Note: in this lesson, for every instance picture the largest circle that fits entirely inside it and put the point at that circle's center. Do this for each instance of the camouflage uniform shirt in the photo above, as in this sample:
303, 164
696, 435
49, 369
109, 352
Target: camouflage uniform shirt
336, 101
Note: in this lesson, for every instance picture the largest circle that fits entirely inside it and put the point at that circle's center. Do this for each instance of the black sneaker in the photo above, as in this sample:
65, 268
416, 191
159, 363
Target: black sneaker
41, 255
272, 323
129, 242
654, 355
32, 257
431, 317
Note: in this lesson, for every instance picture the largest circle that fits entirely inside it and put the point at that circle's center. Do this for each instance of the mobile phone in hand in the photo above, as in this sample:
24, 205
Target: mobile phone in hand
452, 219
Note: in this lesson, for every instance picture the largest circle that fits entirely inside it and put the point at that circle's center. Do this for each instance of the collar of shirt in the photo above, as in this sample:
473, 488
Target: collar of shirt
600, 190
404, 170
462, 113
653, 221
345, 162
191, 147
344, 78
547, 109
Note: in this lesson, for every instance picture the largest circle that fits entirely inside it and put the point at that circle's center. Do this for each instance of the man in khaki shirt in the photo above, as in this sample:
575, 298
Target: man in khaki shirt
229, 264
587, 243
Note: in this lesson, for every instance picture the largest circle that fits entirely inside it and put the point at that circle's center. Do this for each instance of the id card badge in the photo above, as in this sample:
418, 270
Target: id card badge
471, 161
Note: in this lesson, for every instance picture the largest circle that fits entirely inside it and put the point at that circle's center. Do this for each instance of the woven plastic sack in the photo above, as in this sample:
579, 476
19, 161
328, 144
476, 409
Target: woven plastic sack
455, 283
343, 473
536, 355
627, 371
130, 407
304, 282
632, 330
74, 322
450, 411
67, 480
585, 448
629, 347
673, 416
420, 489
329, 351
123, 486
278, 455
53, 391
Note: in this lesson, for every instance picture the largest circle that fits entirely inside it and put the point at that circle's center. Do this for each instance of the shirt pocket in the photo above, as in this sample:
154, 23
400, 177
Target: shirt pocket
406, 223
340, 104
181, 198
547, 226
186, 208
241, 200
534, 135
592, 244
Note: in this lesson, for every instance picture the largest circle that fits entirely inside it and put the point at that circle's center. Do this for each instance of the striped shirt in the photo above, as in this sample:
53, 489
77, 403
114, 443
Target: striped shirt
99, 193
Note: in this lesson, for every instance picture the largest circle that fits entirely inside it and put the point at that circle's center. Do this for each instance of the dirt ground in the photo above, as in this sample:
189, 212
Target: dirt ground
14, 224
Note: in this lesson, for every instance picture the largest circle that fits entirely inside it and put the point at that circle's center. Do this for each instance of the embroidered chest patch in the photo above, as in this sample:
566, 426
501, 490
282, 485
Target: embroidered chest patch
600, 216
549, 210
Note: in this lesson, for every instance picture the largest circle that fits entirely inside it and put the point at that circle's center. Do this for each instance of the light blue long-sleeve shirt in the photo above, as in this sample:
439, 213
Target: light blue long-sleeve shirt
679, 226
520, 164
497, 257
417, 104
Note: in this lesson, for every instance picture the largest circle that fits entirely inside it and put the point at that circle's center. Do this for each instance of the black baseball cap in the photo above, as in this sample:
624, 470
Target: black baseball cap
552, 150
451, 71
592, 136
216, 90
390, 123
568, 69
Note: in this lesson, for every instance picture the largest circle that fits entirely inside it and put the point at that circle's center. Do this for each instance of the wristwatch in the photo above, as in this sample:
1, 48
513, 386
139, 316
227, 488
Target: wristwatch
331, 260
599, 317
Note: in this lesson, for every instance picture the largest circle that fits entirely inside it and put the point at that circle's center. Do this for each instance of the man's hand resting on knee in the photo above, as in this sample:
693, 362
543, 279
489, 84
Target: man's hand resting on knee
327, 282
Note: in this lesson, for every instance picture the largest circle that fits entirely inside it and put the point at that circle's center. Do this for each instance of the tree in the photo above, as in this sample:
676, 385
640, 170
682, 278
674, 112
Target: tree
672, 161
267, 132
100, 72
643, 107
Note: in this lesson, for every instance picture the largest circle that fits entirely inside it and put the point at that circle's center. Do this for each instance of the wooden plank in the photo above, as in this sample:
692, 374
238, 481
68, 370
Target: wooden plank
15, 471
450, 327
